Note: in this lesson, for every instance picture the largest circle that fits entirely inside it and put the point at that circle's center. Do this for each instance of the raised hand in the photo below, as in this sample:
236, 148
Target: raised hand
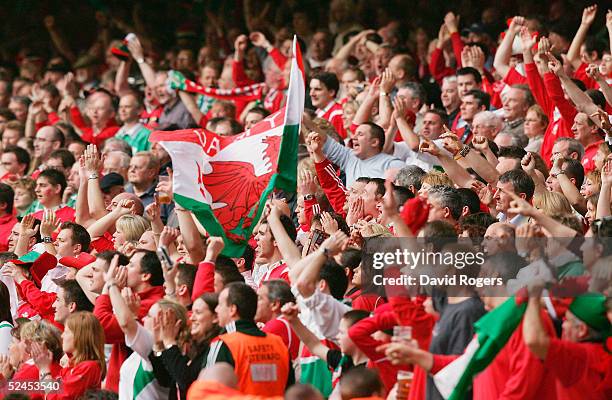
93, 163
125, 207
528, 163
132, 299
588, 15
259, 39
329, 224
41, 355
356, 211
307, 182
480, 143
517, 23
335, 243
527, 40
27, 228
290, 312
428, 146
49, 223
451, 142
168, 236
555, 65
214, 246
387, 81
170, 327
606, 174
452, 22
519, 205
314, 143
592, 72
389, 203
135, 48
240, 47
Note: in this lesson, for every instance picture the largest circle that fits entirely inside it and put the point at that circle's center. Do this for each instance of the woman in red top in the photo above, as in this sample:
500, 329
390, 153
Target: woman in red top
83, 339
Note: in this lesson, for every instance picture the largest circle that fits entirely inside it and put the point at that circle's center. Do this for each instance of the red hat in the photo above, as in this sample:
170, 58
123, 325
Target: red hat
38, 264
78, 262
415, 213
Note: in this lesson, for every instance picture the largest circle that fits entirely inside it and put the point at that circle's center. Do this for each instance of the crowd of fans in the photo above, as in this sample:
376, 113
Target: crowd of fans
496, 132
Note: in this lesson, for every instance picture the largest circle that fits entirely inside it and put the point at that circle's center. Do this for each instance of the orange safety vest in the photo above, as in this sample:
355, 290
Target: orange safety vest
261, 363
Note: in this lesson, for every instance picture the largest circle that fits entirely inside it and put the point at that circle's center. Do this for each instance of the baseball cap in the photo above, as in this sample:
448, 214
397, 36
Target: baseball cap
109, 180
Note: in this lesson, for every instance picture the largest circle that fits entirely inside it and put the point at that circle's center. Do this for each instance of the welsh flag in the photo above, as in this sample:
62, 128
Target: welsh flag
225, 180
493, 331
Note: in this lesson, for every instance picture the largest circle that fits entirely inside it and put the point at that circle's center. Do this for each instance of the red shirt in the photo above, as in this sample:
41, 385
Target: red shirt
333, 113
29, 372
109, 130
280, 327
588, 160
63, 214
76, 380
6, 225
582, 75
278, 270
583, 370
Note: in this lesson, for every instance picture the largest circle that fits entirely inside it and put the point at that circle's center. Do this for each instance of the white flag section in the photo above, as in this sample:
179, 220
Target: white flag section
225, 180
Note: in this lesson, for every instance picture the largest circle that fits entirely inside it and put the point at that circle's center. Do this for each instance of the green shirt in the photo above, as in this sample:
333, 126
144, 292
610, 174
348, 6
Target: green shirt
137, 136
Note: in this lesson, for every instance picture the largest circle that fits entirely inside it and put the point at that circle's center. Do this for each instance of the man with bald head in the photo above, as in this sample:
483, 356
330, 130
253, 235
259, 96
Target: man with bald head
403, 68
48, 139
117, 162
498, 238
101, 114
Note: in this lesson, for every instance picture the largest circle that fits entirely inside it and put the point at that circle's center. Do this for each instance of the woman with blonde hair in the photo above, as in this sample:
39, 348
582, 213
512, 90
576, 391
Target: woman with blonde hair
592, 184
24, 195
536, 122
83, 341
434, 178
552, 203
128, 229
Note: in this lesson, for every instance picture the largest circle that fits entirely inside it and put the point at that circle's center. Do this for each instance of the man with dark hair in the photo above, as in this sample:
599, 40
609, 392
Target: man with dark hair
91, 277
254, 115
509, 158
70, 299
468, 78
7, 219
518, 182
373, 194
361, 383
469, 201
61, 160
50, 186
145, 278
226, 272
267, 251
183, 284
260, 360
324, 88
564, 169
245, 265
319, 52
272, 295
473, 102
445, 204
590, 137
15, 163
366, 158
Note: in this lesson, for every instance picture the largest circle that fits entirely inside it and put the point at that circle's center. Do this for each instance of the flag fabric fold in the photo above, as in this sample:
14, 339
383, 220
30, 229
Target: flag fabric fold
225, 180
492, 332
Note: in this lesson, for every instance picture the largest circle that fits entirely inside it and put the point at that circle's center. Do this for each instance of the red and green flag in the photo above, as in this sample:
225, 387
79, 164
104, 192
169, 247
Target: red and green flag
225, 180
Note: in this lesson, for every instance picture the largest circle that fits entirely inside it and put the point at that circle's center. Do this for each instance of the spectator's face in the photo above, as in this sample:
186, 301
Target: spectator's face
68, 344
112, 163
220, 110
160, 153
319, 48
12, 239
19, 109
46, 192
223, 309
349, 80
481, 127
299, 210
56, 163
128, 109
371, 199
382, 57
23, 198
163, 96
209, 77
185, 60
515, 104
139, 172
10, 164
224, 128
10, 137
552, 184
265, 246
496, 239
62, 310
45, 142
599, 159
591, 212
414, 103
301, 24
583, 132
469, 107
251, 119
363, 144
202, 319
450, 95
356, 190
147, 241
465, 83
111, 193
574, 330
347, 346
348, 114
588, 188
96, 279
506, 164
433, 126
264, 306
436, 211
321, 96
77, 149
502, 200
134, 272
534, 125
118, 239
561, 148
99, 109
64, 245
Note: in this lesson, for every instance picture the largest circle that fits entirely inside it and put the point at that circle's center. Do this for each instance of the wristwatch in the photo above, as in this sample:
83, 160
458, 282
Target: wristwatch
308, 197
140, 60
93, 176
47, 239
562, 172
384, 93
463, 152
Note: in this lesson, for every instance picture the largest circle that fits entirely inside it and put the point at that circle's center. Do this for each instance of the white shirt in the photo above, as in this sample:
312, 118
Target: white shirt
47, 284
321, 313
425, 161
136, 379
5, 337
